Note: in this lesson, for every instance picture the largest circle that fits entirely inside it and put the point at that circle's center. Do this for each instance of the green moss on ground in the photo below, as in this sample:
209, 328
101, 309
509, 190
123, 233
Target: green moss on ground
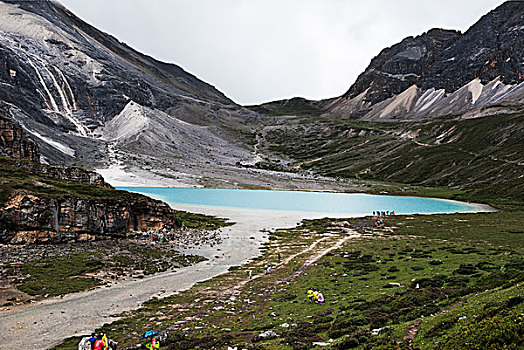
59, 275
200, 221
72, 272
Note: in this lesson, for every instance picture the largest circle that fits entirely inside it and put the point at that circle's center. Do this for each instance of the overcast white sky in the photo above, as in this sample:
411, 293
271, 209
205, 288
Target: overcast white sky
261, 50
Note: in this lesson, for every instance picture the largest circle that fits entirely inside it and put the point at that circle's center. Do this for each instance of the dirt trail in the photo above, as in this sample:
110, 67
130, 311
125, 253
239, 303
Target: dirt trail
311, 260
270, 289
306, 265
412, 331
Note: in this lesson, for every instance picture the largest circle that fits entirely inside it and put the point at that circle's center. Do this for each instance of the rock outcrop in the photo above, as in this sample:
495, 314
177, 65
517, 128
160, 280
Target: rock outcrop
14, 143
48, 204
27, 218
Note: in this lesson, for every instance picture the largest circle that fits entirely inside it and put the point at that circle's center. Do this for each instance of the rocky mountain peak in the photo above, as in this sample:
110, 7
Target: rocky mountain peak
440, 63
64, 81
398, 67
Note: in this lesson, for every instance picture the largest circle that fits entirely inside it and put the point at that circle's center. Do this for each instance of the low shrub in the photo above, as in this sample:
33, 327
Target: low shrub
466, 269
393, 269
503, 331
347, 343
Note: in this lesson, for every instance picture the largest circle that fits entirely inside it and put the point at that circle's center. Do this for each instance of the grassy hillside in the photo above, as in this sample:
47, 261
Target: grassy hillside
482, 156
296, 107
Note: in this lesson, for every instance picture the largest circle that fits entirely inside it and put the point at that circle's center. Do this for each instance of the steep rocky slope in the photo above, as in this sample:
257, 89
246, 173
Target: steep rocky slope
40, 203
72, 88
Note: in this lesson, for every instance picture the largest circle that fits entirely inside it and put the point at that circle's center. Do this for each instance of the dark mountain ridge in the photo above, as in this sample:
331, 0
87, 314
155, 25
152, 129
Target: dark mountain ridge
448, 59
439, 63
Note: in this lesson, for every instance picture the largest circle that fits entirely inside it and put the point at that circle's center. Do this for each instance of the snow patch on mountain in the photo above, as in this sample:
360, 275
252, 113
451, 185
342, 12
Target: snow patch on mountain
428, 99
62, 88
55, 144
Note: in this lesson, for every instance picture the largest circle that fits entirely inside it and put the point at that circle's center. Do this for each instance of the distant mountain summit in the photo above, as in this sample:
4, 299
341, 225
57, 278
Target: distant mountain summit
441, 72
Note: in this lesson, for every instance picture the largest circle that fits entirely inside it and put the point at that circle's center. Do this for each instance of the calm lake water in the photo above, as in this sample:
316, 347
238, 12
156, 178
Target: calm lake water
299, 201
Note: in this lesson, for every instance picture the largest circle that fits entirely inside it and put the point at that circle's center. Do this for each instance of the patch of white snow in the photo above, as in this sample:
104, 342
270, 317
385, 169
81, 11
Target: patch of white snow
429, 98
59, 146
52, 102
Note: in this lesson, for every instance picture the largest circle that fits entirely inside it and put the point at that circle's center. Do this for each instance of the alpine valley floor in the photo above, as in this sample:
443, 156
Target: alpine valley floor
437, 281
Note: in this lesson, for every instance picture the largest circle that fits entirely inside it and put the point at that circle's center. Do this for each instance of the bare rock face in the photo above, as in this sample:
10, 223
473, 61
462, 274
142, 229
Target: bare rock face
65, 82
397, 68
26, 218
14, 143
448, 59
37, 212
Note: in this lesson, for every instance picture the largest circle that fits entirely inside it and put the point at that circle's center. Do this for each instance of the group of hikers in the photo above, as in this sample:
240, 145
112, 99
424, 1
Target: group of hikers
97, 342
378, 215
315, 296
383, 213
378, 222
101, 342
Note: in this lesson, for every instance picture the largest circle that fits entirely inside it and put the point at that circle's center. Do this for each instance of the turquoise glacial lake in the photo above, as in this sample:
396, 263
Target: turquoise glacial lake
301, 201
